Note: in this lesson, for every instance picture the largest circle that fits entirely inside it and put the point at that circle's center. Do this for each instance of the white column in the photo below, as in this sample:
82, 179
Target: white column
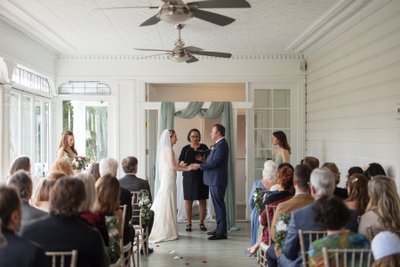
5, 161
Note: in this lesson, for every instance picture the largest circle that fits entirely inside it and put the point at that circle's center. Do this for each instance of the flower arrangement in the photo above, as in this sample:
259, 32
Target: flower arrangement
281, 230
80, 163
258, 197
145, 205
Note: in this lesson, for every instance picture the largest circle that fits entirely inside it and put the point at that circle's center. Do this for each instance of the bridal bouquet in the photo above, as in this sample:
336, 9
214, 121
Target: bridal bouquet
145, 205
281, 230
258, 197
80, 163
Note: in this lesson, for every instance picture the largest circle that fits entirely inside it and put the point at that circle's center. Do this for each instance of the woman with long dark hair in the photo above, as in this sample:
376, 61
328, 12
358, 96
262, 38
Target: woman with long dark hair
282, 150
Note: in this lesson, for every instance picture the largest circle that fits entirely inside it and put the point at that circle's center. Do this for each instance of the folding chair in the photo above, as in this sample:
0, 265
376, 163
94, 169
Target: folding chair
347, 257
307, 237
262, 257
137, 223
58, 258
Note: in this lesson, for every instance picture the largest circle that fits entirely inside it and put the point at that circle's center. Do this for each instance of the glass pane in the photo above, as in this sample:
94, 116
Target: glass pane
46, 132
262, 139
281, 119
260, 156
262, 99
258, 173
26, 126
281, 98
14, 130
262, 119
68, 114
38, 133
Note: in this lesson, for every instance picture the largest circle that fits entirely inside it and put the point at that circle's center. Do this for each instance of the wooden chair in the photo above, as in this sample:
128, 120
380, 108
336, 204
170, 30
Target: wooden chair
58, 258
307, 237
137, 223
347, 257
262, 257
270, 210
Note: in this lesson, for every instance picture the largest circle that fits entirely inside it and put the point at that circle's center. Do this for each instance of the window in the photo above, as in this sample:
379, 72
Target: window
271, 113
30, 80
84, 88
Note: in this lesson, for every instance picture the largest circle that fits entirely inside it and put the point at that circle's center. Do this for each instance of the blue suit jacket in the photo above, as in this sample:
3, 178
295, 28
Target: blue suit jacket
216, 165
303, 219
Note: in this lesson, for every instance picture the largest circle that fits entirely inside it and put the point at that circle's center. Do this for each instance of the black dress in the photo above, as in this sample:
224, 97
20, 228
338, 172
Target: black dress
193, 185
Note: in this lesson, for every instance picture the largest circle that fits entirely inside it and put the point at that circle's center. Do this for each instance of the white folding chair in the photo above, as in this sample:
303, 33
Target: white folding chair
309, 237
58, 258
262, 257
347, 257
137, 223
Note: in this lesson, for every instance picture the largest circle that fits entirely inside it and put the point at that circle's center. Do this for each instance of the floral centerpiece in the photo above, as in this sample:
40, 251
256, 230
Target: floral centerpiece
258, 197
80, 163
281, 230
145, 205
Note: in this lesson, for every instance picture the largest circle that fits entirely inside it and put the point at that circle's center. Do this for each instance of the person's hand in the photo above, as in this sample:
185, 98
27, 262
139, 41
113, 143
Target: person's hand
182, 164
195, 166
201, 158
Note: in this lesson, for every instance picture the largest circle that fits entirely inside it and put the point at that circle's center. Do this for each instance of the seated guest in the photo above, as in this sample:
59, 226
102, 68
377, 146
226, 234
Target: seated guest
62, 165
63, 230
374, 169
55, 175
383, 210
302, 197
339, 192
310, 162
42, 195
269, 178
110, 166
17, 251
24, 163
357, 188
86, 210
354, 170
94, 171
132, 183
330, 213
22, 181
386, 249
322, 182
107, 204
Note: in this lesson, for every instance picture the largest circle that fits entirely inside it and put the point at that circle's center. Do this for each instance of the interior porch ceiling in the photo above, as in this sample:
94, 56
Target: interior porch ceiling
269, 26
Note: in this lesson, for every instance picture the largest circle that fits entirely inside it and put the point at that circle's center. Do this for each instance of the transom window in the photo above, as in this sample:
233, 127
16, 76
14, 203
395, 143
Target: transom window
84, 88
30, 80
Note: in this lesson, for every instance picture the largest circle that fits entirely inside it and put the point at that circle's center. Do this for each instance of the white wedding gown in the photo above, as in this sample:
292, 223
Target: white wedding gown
165, 227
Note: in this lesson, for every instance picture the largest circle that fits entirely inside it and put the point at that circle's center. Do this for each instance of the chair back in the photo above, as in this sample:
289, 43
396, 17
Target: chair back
307, 237
372, 231
269, 211
262, 258
347, 257
137, 223
58, 258
122, 223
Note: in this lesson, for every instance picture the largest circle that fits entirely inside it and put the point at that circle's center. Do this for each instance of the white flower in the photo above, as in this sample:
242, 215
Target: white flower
281, 226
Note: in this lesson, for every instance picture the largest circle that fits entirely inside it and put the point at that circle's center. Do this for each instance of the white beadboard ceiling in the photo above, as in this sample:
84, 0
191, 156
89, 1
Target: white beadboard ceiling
270, 26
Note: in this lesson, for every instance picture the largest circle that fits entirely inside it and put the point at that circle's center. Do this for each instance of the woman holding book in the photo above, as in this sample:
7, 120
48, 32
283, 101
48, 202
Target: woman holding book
193, 186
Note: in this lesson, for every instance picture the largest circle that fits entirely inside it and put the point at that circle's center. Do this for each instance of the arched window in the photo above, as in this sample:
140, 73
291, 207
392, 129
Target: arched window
30, 80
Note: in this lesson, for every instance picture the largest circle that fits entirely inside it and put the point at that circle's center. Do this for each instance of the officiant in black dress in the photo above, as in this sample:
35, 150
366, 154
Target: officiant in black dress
193, 185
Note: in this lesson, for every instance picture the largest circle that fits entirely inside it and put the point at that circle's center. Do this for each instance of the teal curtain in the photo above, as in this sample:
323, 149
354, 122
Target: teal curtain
216, 110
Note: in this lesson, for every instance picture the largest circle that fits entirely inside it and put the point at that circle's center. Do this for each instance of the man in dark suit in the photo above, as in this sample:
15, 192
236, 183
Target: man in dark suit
131, 183
22, 181
17, 251
63, 230
215, 175
322, 182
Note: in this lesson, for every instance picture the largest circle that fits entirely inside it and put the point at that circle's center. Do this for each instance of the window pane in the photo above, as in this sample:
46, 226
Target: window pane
262, 119
282, 98
38, 132
46, 132
26, 126
262, 98
281, 119
14, 130
262, 139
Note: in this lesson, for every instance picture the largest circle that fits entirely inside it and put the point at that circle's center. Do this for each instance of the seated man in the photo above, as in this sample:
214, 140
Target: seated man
16, 251
63, 230
132, 183
22, 181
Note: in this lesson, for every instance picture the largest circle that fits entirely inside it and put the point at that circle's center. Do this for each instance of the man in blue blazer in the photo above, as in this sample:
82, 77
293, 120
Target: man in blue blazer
215, 175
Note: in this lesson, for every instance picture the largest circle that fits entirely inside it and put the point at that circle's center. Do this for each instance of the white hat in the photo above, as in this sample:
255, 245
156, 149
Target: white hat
385, 244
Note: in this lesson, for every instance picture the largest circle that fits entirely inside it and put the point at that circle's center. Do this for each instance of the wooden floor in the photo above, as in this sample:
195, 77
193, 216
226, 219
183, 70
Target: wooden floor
193, 249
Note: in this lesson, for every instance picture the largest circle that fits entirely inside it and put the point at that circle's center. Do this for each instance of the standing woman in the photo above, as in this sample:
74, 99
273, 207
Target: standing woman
193, 185
282, 150
67, 147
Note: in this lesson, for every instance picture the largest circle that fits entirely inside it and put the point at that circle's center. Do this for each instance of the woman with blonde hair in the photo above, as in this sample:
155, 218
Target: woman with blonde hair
386, 249
357, 188
383, 210
62, 165
66, 148
41, 199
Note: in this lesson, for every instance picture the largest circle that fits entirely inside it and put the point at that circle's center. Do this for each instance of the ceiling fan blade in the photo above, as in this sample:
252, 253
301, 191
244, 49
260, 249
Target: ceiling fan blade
151, 21
124, 7
159, 50
220, 4
192, 59
212, 54
192, 48
215, 18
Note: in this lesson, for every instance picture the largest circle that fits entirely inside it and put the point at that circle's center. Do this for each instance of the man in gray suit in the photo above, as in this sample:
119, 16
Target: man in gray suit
23, 182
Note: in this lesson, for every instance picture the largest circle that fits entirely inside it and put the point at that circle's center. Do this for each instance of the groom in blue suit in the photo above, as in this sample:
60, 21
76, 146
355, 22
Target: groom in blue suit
215, 175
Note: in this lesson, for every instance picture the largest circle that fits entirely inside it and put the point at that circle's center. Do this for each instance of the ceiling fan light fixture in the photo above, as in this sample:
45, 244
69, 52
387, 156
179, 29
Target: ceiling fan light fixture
179, 57
175, 13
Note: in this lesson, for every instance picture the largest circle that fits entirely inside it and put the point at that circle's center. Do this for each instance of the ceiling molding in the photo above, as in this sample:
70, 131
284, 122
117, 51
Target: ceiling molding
278, 56
342, 17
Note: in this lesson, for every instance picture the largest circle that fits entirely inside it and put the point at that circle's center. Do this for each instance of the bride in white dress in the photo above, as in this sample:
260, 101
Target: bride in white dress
165, 226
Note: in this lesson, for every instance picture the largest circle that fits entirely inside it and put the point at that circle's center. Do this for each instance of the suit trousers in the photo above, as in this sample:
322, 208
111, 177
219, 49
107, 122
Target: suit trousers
218, 198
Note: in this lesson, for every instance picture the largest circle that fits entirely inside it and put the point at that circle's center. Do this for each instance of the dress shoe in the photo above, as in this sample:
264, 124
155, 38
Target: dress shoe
149, 250
212, 233
217, 237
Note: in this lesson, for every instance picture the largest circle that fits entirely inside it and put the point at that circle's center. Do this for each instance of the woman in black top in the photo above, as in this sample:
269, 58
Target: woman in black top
193, 185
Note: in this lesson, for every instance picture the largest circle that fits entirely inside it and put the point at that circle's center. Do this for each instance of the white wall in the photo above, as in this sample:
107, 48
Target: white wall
353, 94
